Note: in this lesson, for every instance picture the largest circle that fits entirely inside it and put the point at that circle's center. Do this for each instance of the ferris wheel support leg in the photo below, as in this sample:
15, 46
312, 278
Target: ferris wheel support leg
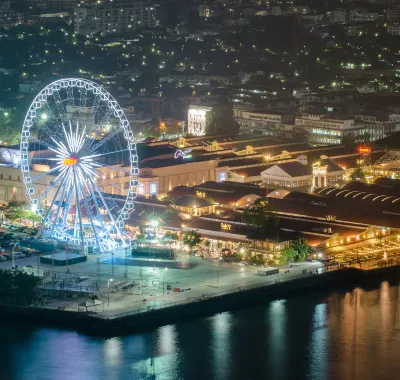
96, 205
91, 218
59, 208
51, 206
107, 208
79, 211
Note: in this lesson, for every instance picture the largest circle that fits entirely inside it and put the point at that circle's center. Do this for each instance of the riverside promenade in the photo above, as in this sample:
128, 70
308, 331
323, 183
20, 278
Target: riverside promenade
125, 316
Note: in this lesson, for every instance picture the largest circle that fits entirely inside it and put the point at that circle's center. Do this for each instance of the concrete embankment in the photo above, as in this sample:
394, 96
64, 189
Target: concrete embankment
343, 280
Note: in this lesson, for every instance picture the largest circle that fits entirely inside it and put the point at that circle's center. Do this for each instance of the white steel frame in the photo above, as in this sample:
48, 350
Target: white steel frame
77, 182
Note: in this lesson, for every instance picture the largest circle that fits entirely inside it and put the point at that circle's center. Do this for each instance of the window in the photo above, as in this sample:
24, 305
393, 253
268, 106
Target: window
9, 177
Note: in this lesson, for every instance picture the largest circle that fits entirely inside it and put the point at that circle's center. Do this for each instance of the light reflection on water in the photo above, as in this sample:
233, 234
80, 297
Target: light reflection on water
354, 335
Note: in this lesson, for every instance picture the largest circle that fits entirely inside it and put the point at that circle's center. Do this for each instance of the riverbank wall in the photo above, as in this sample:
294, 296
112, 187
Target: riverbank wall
96, 324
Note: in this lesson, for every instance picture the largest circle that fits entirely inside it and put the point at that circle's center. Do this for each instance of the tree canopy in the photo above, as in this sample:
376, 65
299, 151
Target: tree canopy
261, 216
220, 120
301, 248
358, 175
191, 239
17, 287
288, 255
297, 252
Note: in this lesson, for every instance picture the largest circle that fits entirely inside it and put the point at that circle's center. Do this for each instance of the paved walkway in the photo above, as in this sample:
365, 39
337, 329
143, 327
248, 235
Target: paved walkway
203, 279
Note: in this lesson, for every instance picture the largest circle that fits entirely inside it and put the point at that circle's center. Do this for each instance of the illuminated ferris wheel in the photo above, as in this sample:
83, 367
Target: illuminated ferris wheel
79, 164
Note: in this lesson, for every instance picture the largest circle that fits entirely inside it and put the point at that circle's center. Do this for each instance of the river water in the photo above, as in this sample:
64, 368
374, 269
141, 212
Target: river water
341, 335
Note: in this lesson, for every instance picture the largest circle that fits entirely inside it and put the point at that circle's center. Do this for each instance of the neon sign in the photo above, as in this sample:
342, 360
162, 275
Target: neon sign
184, 154
364, 149
226, 226
70, 161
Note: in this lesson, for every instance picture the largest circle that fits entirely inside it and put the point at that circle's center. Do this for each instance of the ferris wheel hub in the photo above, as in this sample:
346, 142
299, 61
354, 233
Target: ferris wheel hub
71, 161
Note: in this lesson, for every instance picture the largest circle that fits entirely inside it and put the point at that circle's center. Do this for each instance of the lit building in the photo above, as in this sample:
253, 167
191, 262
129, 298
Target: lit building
362, 15
253, 121
108, 19
12, 187
204, 11
301, 175
323, 129
392, 14
191, 205
160, 176
393, 29
339, 16
61, 4
376, 126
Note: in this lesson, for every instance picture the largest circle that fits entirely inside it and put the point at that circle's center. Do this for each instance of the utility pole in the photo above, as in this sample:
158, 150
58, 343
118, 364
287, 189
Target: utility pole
108, 286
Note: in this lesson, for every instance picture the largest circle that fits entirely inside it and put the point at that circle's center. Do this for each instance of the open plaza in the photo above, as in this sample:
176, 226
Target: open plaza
124, 284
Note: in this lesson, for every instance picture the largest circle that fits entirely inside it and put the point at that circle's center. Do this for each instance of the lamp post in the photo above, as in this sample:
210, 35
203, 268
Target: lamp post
165, 269
218, 261
108, 287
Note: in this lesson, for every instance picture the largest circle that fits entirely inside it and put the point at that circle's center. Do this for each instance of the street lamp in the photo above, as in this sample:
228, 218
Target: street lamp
165, 269
108, 286
154, 223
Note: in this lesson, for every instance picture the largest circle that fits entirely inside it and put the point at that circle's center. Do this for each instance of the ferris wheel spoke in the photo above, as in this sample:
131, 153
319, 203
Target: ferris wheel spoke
94, 197
60, 204
66, 211
51, 187
107, 138
45, 143
46, 173
106, 116
118, 169
51, 206
89, 212
113, 184
78, 211
107, 208
52, 119
59, 104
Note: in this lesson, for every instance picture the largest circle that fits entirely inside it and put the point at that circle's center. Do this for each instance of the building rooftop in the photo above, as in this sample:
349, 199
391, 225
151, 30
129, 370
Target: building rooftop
192, 201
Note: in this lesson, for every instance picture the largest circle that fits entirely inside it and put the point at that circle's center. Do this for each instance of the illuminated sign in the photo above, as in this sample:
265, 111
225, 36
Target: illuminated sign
153, 188
364, 150
11, 157
141, 188
226, 226
70, 161
222, 176
319, 170
197, 120
200, 194
184, 154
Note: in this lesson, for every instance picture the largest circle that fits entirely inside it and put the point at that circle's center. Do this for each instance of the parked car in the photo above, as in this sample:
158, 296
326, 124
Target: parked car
7, 256
2, 258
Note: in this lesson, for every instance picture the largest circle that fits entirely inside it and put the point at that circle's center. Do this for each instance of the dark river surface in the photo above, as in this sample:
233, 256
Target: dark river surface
340, 335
